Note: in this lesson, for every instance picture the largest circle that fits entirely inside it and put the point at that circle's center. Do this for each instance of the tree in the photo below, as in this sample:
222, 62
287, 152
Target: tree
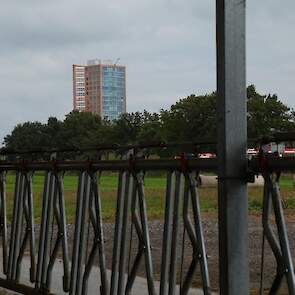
82, 129
150, 130
26, 136
191, 119
52, 131
125, 130
267, 114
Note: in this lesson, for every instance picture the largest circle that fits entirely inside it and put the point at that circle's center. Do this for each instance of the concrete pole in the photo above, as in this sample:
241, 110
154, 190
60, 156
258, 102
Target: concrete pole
232, 145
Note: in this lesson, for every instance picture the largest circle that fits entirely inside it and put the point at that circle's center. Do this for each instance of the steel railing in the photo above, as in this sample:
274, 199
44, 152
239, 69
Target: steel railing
182, 206
182, 213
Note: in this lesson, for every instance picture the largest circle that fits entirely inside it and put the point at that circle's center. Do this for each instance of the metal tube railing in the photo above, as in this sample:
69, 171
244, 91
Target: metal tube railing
182, 213
111, 165
131, 209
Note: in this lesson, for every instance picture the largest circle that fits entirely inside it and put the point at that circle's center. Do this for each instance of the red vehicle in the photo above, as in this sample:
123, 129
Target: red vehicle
289, 151
206, 155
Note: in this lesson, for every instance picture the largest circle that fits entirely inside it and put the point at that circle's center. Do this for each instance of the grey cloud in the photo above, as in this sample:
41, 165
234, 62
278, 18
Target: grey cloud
271, 54
168, 47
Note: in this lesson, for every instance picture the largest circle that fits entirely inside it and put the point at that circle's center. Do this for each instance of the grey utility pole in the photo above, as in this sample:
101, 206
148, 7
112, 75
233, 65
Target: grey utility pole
232, 145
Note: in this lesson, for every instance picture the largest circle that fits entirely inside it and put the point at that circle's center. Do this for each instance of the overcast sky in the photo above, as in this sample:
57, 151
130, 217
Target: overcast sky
168, 47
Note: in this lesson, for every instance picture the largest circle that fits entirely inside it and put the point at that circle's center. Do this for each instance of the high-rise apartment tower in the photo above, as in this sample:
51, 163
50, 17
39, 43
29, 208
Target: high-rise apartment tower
100, 87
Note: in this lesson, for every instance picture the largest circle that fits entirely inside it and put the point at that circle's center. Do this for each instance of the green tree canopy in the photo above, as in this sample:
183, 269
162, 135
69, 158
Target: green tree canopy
190, 119
267, 114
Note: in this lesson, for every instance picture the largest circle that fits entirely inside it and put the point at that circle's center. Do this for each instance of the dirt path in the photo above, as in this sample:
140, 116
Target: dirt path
210, 227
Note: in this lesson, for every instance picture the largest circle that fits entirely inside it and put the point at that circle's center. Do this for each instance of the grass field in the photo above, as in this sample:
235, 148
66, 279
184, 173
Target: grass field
155, 194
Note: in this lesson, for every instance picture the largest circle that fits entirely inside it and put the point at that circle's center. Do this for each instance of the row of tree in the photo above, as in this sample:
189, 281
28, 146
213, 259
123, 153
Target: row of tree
190, 119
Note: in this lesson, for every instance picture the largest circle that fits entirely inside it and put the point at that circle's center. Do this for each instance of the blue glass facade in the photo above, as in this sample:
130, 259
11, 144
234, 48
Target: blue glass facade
113, 91
100, 88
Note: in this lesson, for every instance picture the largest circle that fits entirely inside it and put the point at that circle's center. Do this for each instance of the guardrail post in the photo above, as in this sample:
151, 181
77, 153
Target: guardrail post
3, 220
118, 232
280, 247
232, 143
167, 235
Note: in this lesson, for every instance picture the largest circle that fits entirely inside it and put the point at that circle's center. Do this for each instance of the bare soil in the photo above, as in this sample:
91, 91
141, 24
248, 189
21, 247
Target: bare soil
210, 228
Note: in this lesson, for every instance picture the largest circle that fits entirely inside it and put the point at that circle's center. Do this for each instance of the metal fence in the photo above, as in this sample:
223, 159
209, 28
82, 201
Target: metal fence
20, 237
277, 235
51, 244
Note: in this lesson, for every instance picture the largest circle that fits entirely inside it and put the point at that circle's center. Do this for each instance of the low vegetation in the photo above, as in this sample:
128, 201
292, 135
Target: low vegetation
155, 187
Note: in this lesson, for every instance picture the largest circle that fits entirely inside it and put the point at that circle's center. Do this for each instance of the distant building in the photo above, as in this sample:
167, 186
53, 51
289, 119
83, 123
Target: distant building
100, 87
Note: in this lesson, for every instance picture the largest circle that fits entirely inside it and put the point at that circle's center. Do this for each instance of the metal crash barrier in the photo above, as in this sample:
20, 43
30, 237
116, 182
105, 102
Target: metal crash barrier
36, 247
51, 243
275, 233
279, 243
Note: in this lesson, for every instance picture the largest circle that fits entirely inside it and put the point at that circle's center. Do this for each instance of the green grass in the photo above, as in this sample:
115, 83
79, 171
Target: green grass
155, 187
287, 181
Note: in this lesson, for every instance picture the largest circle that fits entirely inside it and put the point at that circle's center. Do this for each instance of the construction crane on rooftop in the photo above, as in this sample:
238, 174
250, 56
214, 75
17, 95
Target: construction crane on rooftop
116, 62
